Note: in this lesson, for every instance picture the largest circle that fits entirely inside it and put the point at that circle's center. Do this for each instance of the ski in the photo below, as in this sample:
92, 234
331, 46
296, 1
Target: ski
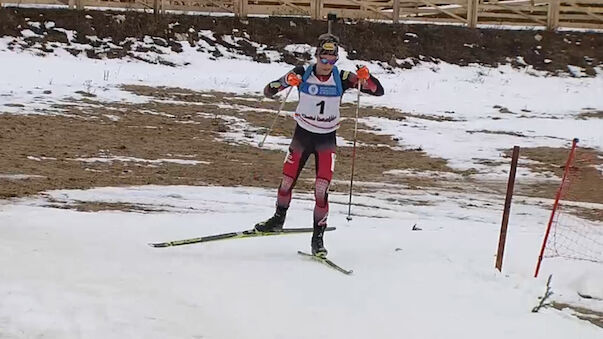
326, 261
234, 235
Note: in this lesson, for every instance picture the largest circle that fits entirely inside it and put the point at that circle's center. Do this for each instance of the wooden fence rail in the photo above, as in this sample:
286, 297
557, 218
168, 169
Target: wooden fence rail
551, 14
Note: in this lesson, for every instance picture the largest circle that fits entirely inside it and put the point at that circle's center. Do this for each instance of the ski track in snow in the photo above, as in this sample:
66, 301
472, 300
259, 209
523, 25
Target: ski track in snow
78, 274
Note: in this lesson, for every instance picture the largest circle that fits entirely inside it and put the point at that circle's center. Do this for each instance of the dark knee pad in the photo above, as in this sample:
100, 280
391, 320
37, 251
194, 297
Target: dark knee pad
321, 192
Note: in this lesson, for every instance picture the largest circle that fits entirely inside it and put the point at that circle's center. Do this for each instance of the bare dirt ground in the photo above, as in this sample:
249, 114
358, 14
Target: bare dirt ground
178, 124
47, 146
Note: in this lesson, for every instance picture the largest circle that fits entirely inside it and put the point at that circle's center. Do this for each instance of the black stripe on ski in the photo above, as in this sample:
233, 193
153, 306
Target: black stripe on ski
234, 235
327, 262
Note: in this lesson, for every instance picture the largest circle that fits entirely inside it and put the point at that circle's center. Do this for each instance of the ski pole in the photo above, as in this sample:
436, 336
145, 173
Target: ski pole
349, 217
276, 117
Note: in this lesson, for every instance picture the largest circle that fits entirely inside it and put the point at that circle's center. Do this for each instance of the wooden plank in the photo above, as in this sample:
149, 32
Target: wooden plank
244, 8
431, 19
305, 3
472, 9
355, 14
508, 16
586, 2
227, 6
364, 2
571, 9
507, 209
581, 17
92, 3
587, 25
35, 2
445, 11
289, 3
396, 11
275, 10
586, 10
532, 3
371, 9
439, 2
552, 19
314, 9
429, 11
509, 23
527, 16
516, 7
389, 3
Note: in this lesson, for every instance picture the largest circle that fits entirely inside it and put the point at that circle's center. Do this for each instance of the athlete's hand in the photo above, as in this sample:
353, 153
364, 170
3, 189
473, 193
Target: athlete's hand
293, 79
363, 73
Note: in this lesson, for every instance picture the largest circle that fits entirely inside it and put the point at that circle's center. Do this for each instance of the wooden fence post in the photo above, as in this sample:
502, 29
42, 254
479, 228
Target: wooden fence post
315, 9
79, 4
507, 209
472, 6
396, 12
552, 18
243, 9
71, 4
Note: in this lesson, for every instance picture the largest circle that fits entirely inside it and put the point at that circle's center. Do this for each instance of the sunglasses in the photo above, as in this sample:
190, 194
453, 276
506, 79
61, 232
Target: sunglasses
327, 61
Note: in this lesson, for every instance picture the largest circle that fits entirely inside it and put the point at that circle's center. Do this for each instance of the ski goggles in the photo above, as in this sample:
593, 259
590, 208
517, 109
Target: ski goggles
327, 61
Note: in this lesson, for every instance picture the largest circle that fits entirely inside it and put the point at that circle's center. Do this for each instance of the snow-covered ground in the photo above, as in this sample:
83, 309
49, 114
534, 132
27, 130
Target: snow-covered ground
68, 274
540, 109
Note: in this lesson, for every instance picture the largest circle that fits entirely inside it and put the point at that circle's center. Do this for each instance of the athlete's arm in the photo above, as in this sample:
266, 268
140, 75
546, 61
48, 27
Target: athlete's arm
280, 84
372, 85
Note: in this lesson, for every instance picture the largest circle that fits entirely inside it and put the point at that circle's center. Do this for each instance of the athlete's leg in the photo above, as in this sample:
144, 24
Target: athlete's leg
299, 151
325, 165
294, 162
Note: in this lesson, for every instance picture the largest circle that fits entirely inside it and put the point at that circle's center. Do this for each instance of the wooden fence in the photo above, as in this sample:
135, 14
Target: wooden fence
551, 14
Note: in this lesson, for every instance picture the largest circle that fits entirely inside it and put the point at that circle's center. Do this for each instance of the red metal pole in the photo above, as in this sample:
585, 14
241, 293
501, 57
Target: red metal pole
556, 204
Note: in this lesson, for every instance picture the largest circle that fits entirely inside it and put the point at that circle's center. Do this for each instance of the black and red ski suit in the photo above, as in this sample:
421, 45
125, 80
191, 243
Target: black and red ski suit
306, 142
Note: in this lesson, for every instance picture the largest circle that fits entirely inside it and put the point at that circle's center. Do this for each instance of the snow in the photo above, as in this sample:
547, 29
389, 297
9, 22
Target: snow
133, 159
68, 273
19, 176
541, 108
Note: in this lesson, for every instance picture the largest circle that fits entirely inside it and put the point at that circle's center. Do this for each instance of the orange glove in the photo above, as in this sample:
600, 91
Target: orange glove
363, 73
293, 79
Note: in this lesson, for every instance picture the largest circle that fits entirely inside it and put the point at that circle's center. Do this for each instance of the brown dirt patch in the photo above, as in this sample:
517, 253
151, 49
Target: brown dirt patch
586, 180
183, 124
47, 145
591, 115
594, 317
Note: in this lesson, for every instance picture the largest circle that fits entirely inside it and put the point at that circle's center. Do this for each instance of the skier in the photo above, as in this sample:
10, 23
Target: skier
321, 87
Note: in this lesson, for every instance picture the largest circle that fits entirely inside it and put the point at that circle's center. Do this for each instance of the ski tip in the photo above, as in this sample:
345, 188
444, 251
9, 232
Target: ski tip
158, 244
330, 228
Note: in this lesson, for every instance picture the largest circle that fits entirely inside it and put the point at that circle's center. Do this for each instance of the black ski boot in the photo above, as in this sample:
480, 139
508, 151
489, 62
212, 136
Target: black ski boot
318, 248
275, 223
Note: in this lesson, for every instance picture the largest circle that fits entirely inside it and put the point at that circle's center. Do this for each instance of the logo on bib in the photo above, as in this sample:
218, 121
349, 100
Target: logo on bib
313, 89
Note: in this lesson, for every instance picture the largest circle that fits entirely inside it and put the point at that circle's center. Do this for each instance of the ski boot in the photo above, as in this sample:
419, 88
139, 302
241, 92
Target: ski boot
274, 224
318, 247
